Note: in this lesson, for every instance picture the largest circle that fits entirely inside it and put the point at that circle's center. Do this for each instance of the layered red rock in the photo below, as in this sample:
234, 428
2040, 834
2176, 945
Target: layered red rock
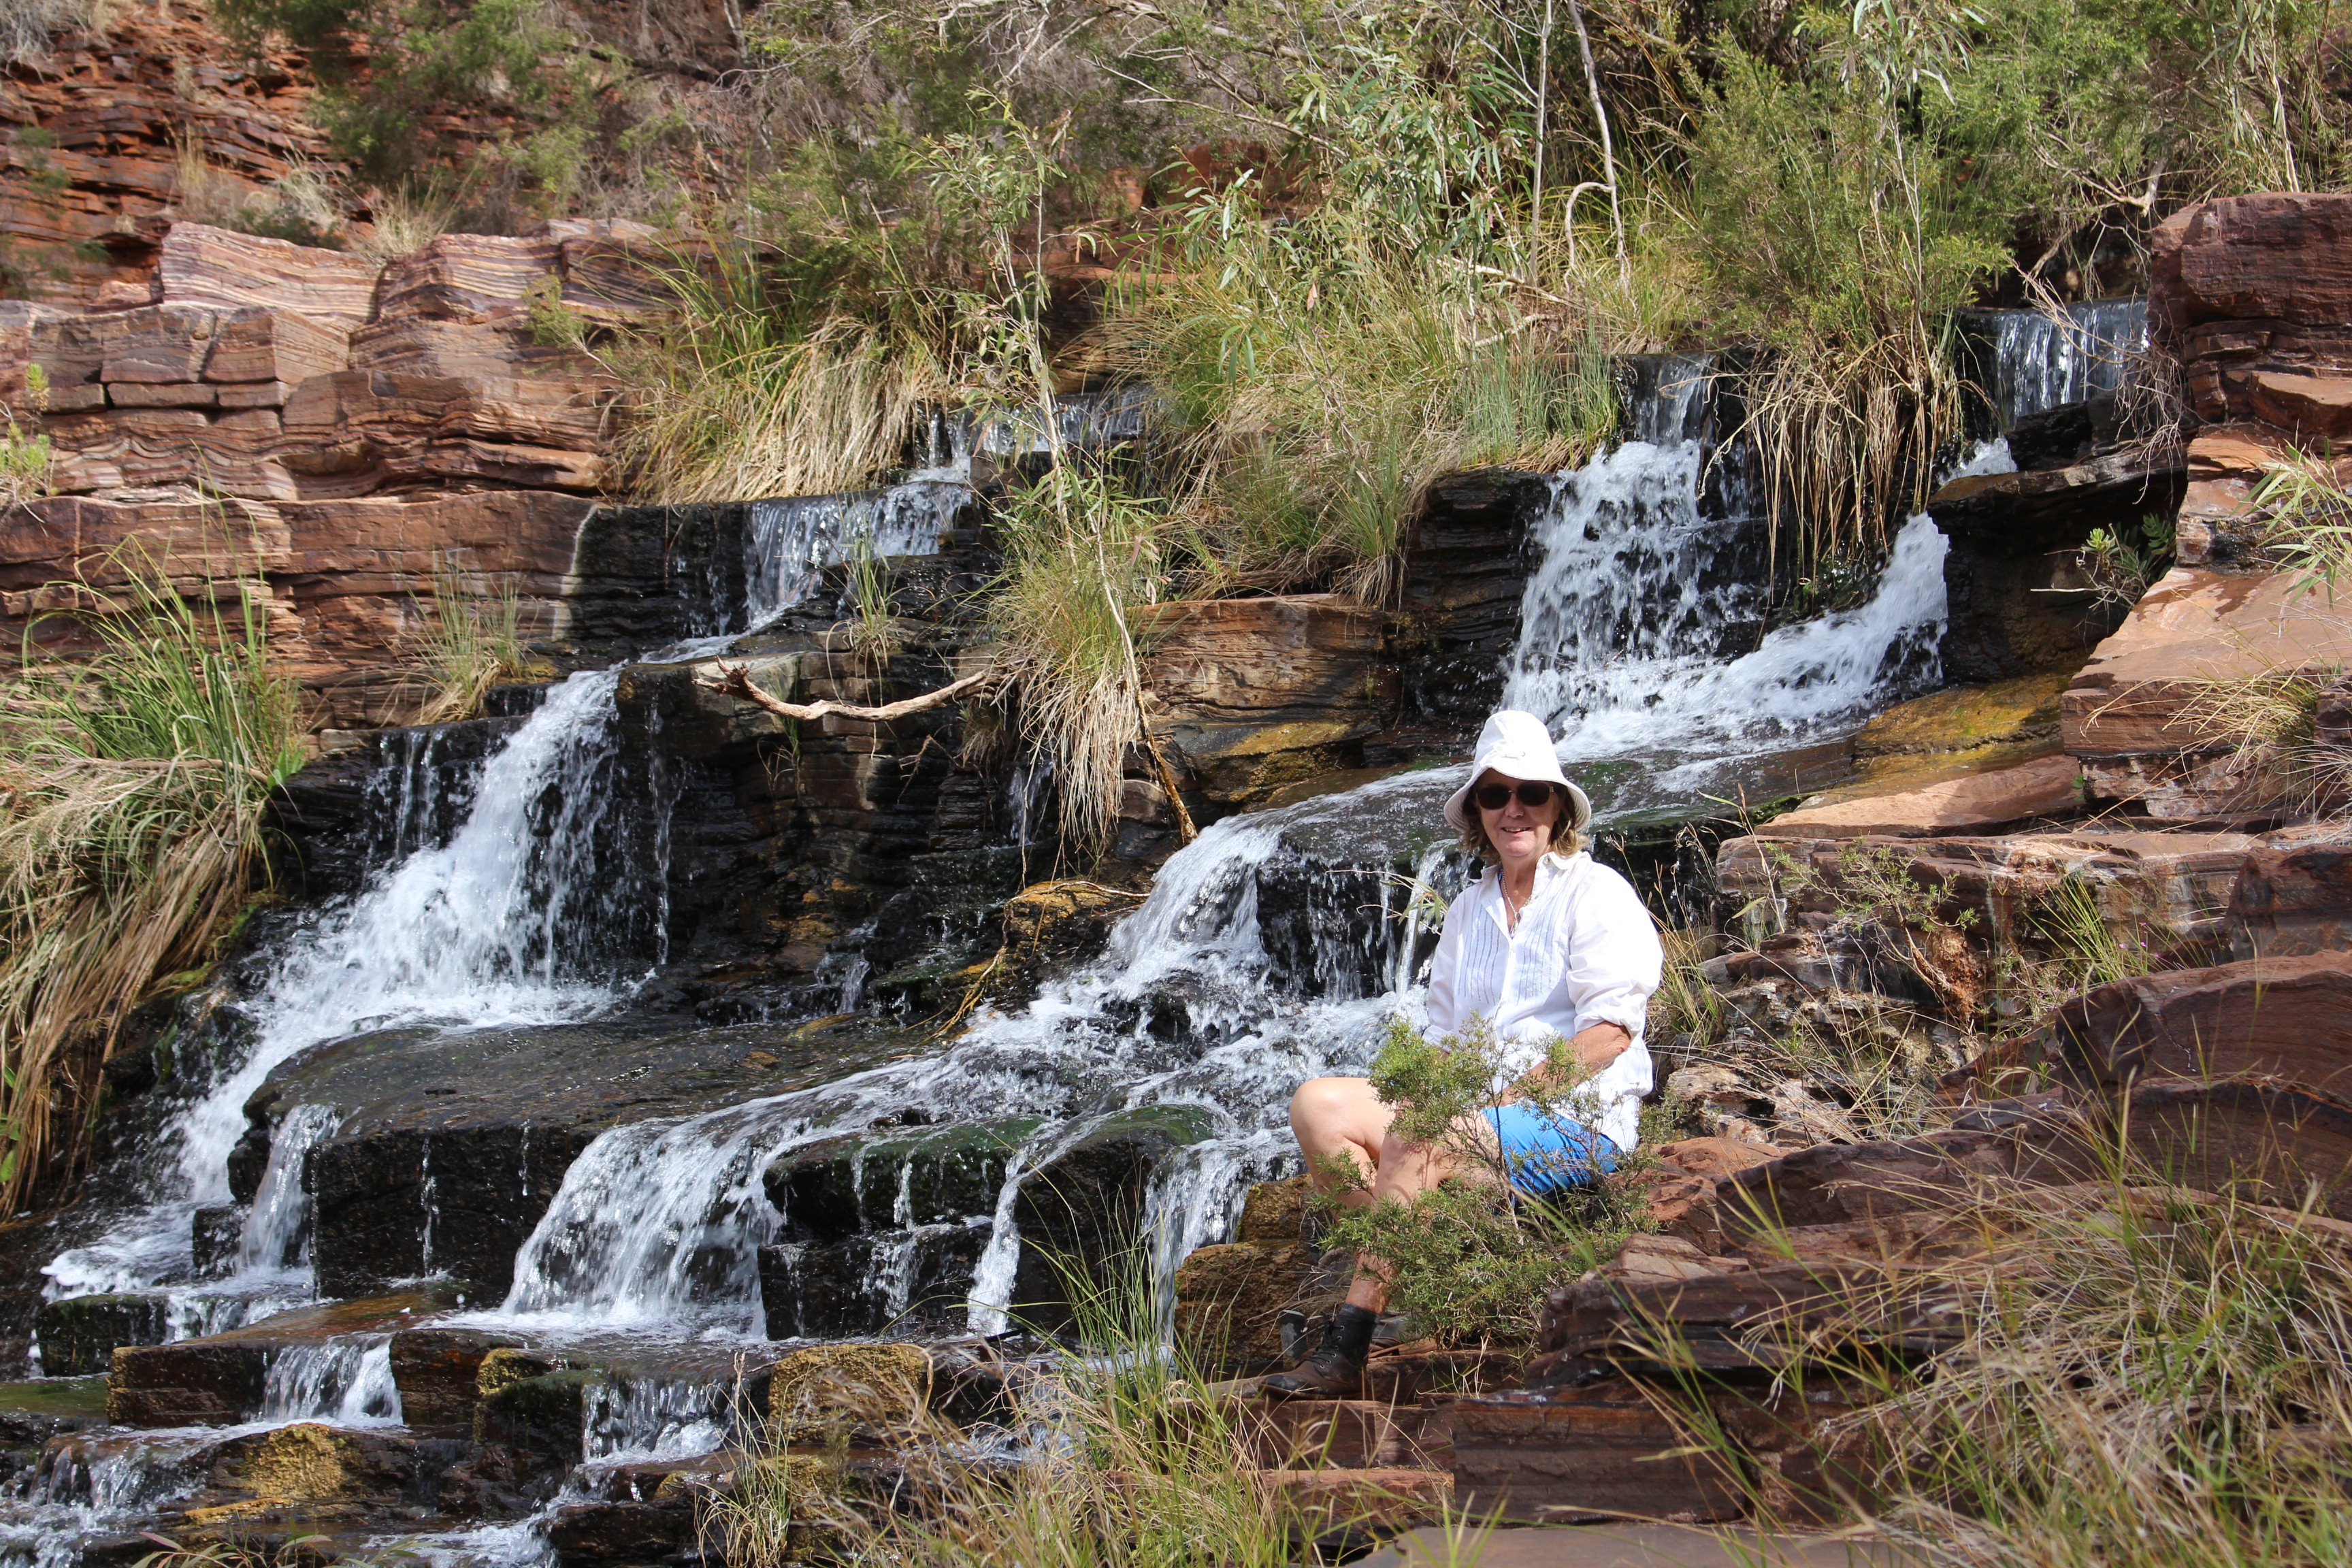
114, 104
1973, 803
2285, 1020
1252, 695
2151, 715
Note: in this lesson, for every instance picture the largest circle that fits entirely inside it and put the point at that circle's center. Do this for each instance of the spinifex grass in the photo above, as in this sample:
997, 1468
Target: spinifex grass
2136, 1374
132, 787
742, 393
468, 641
1323, 380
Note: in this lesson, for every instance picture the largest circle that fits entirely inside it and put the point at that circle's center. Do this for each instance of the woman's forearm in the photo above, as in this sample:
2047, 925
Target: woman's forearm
1592, 1049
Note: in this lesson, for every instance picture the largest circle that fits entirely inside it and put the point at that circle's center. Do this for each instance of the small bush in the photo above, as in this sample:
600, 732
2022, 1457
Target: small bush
1467, 1263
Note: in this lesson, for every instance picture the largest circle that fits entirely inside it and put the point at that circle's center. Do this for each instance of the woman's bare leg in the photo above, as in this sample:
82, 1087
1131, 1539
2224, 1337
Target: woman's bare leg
1343, 1117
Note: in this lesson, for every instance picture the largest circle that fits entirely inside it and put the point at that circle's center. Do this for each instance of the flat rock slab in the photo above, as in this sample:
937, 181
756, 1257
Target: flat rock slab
1973, 803
2191, 630
495, 1118
1637, 1546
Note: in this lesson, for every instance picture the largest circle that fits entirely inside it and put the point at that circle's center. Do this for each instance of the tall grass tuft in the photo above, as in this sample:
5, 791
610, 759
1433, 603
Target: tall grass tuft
467, 642
1323, 377
1082, 555
132, 788
743, 393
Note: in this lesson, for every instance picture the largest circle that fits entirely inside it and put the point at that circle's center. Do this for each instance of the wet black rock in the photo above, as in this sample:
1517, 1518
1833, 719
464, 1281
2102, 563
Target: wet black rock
451, 1148
1079, 1214
2019, 602
1465, 571
902, 1281
844, 1186
527, 1437
78, 1335
593, 1534
215, 1232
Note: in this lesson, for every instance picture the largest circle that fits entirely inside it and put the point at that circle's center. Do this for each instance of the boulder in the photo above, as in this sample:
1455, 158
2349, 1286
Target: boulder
2143, 714
1079, 1209
2278, 1143
1973, 803
1328, 1433
194, 1382
1316, 1502
1230, 1299
2154, 889
468, 277
2284, 1020
2017, 602
77, 1336
438, 1373
1253, 694
1964, 720
2274, 256
1461, 582
312, 1462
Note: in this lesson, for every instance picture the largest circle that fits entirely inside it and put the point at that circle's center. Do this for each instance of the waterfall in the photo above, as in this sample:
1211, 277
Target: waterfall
2027, 361
523, 916
791, 542
1273, 947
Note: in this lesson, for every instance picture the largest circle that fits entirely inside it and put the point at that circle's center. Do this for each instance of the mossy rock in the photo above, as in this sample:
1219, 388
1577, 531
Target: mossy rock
79, 1335
2005, 713
1274, 1214
870, 1393
312, 1462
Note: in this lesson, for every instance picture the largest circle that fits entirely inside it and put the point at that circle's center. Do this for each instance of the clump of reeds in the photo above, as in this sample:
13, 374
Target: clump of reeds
131, 789
468, 641
1082, 554
742, 393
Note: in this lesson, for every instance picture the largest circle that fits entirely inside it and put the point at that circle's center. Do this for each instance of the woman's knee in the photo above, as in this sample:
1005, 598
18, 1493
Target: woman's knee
1322, 1102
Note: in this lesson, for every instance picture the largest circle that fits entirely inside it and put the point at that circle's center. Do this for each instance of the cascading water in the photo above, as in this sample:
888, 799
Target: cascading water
791, 542
1271, 950
501, 924
1212, 997
2029, 360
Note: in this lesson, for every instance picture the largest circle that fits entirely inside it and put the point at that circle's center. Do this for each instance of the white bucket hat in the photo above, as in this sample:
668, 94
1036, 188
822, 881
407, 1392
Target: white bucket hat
1518, 746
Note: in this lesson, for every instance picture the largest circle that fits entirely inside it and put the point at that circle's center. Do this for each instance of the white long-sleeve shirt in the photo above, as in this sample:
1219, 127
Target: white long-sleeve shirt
1584, 953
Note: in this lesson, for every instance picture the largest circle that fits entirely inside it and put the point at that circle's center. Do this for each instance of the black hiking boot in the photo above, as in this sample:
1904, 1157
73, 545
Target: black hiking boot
1336, 1368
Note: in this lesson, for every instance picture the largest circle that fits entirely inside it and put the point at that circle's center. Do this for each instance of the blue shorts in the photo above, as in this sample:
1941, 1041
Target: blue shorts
1549, 1153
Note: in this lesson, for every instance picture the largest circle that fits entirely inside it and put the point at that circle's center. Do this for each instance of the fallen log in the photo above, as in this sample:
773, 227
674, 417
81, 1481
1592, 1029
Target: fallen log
736, 682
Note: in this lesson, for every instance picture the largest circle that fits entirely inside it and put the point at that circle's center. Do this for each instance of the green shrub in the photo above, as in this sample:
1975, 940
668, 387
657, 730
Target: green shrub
1467, 1263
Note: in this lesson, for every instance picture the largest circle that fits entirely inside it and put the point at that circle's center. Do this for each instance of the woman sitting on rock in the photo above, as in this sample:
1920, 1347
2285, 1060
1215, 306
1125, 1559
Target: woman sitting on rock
1548, 945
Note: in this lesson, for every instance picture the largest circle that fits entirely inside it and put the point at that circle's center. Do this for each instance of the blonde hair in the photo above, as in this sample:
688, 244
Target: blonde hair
1565, 838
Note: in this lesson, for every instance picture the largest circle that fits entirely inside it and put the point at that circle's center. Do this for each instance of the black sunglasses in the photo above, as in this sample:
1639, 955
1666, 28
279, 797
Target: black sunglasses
1494, 797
